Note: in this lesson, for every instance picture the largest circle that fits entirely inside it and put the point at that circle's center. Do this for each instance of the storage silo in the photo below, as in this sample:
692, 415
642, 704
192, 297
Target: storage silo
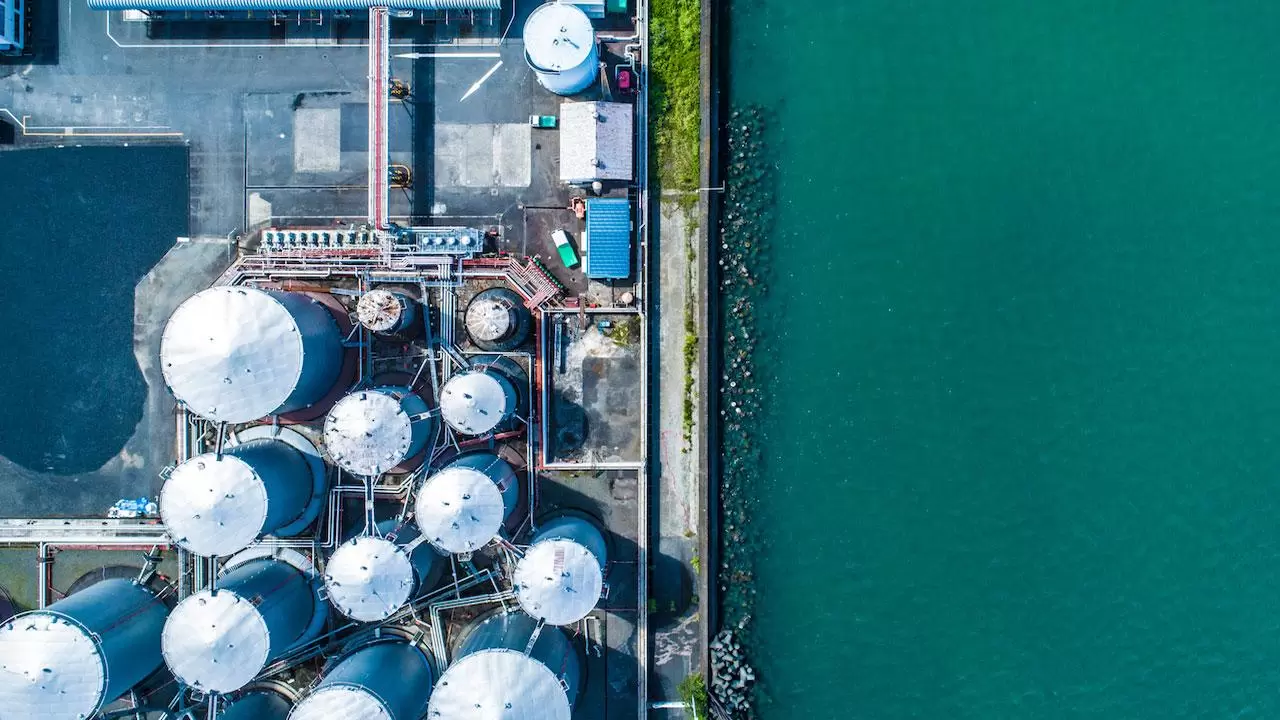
219, 640
560, 46
388, 680
464, 505
369, 432
80, 653
387, 313
493, 677
476, 402
258, 705
237, 354
216, 504
497, 320
370, 577
560, 578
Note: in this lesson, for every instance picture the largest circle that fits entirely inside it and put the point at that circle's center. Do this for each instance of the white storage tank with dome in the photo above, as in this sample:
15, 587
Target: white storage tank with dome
561, 576
463, 506
369, 432
492, 676
560, 45
239, 354
478, 401
370, 577
258, 704
386, 680
497, 320
386, 312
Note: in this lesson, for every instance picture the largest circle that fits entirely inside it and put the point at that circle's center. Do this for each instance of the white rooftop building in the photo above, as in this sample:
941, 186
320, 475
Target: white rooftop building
596, 141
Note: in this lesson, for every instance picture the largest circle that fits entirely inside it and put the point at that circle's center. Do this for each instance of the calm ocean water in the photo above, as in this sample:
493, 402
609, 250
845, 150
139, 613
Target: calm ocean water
1023, 436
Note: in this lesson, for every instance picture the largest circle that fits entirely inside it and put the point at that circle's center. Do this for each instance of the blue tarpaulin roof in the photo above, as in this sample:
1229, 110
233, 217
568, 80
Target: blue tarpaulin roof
608, 246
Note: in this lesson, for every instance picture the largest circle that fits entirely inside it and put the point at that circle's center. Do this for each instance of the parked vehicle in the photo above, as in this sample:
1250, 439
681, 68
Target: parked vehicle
567, 254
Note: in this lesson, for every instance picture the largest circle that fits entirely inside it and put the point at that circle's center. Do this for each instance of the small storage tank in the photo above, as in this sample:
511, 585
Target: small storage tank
216, 506
258, 705
387, 313
497, 320
80, 653
237, 354
384, 681
492, 677
369, 578
561, 576
369, 432
219, 640
560, 46
464, 505
476, 402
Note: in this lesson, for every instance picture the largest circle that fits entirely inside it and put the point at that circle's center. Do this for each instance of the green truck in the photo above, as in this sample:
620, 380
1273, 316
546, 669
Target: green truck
567, 254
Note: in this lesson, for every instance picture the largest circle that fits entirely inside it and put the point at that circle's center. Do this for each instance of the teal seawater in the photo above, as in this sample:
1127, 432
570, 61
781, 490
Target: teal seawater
1023, 326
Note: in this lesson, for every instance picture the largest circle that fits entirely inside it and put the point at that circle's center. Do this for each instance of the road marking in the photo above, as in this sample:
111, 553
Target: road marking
481, 81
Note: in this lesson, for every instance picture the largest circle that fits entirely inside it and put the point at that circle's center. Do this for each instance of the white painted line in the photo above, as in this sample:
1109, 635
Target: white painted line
420, 55
482, 80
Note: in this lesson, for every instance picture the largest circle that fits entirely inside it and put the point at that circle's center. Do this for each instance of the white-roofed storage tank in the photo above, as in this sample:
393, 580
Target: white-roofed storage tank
238, 354
217, 505
369, 432
561, 576
219, 640
387, 313
497, 320
388, 680
371, 577
80, 653
492, 677
560, 46
476, 402
463, 507
258, 705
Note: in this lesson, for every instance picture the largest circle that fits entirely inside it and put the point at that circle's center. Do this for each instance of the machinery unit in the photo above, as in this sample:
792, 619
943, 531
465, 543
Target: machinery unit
219, 640
371, 577
477, 402
560, 46
497, 320
494, 677
387, 313
218, 504
369, 432
80, 653
238, 354
258, 704
387, 680
464, 505
560, 578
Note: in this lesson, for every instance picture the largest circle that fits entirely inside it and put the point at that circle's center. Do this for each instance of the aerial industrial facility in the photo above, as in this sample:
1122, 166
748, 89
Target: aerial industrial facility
407, 472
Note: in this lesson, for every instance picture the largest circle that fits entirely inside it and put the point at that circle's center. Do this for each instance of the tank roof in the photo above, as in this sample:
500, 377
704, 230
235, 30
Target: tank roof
368, 433
489, 319
459, 509
214, 506
216, 641
341, 701
475, 402
369, 578
558, 36
558, 581
379, 310
50, 668
232, 354
499, 684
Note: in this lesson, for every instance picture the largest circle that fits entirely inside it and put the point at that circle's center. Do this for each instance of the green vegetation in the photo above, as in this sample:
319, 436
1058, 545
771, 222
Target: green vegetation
693, 691
625, 332
696, 562
674, 70
690, 351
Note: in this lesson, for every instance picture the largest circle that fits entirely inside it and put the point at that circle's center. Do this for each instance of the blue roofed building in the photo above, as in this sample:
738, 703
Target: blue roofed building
12, 26
607, 242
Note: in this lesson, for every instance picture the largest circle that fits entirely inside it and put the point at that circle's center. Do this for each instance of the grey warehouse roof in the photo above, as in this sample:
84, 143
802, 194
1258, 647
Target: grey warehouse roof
596, 141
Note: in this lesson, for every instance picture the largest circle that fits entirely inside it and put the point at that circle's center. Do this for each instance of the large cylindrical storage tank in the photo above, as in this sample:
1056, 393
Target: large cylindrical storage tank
560, 46
370, 577
463, 506
492, 677
258, 705
217, 505
237, 354
80, 653
388, 313
497, 320
219, 640
369, 432
385, 681
476, 402
560, 578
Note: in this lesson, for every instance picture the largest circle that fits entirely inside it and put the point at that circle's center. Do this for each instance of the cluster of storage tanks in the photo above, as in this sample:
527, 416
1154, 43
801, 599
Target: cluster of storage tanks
245, 357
